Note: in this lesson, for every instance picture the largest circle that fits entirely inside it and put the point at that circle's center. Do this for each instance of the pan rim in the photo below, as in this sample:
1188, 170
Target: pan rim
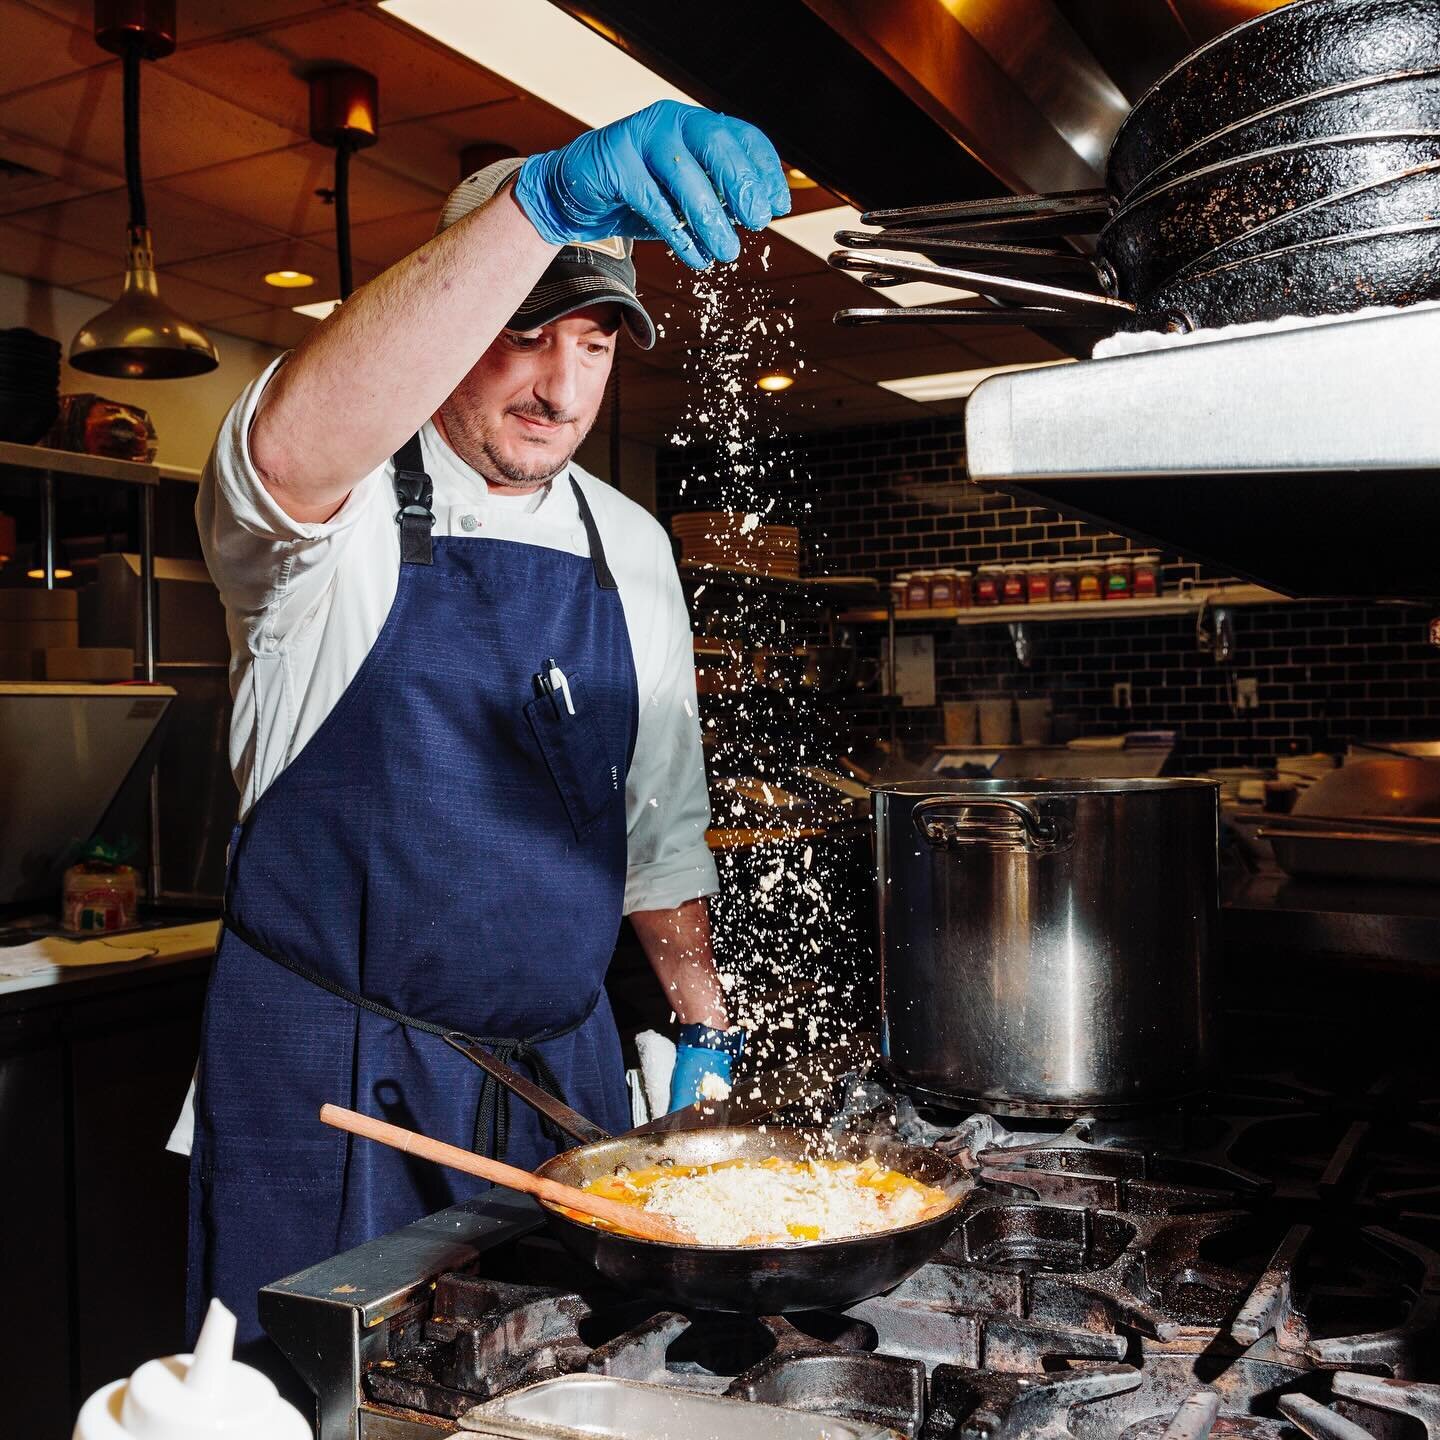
1207, 173
957, 1175
786, 1247
1216, 259
1419, 227
1142, 186
1188, 59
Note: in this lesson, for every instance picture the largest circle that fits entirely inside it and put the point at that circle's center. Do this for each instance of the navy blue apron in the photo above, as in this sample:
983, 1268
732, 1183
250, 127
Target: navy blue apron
447, 853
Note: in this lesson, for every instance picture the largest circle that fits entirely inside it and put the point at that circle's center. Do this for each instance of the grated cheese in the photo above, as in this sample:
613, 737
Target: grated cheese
746, 1203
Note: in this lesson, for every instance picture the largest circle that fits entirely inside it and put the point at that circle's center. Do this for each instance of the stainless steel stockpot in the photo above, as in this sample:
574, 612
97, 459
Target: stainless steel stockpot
1049, 946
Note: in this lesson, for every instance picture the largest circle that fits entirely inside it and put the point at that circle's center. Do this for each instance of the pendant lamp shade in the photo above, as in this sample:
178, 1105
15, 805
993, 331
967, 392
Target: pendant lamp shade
139, 337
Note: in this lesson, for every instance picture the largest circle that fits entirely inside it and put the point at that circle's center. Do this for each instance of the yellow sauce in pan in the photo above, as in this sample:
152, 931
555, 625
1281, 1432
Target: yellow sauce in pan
887, 1199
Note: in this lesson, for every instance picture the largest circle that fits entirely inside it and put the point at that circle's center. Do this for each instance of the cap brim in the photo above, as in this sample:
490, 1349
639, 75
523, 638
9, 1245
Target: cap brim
555, 296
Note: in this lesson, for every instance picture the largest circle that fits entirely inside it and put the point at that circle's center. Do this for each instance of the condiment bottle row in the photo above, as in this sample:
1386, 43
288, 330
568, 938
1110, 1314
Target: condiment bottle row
1098, 577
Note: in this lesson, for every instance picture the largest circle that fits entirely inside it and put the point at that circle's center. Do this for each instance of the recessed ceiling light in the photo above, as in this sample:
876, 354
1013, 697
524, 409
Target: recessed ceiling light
775, 380
954, 384
535, 45
289, 279
316, 309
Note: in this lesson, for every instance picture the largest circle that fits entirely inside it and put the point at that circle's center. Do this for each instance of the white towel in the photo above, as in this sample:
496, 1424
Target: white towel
657, 1065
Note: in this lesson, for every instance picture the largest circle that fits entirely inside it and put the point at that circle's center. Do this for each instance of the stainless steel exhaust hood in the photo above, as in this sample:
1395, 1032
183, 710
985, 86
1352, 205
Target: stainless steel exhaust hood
1307, 460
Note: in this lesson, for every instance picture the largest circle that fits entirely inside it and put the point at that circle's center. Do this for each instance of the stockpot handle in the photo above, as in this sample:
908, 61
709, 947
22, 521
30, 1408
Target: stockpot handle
1041, 835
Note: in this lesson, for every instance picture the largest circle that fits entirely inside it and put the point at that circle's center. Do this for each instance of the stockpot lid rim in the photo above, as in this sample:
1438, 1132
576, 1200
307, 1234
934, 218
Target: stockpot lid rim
1143, 785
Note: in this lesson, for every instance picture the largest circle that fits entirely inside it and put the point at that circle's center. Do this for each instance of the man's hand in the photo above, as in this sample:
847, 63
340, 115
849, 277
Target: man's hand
703, 1055
672, 172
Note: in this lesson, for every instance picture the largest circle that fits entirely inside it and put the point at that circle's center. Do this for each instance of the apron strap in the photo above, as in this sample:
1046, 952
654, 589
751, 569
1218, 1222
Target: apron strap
415, 495
603, 578
416, 517
491, 1132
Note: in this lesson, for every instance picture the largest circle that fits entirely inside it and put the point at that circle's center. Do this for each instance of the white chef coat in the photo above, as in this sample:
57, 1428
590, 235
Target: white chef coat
304, 602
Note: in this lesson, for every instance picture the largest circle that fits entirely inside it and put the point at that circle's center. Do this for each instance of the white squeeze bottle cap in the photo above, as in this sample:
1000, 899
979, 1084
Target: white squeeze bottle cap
188, 1397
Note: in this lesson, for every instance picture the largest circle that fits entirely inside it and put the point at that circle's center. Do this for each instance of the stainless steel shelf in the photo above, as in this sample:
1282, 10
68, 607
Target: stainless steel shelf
67, 462
1304, 459
1179, 603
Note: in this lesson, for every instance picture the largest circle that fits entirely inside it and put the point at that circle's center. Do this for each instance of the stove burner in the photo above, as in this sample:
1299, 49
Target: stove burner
1220, 1270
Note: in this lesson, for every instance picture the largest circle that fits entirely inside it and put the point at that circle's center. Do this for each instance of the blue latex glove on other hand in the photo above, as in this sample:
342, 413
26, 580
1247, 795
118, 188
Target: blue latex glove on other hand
670, 172
701, 1051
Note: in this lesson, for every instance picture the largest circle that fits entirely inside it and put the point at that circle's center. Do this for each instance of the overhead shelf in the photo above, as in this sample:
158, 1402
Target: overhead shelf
1307, 459
1179, 603
67, 462
717, 575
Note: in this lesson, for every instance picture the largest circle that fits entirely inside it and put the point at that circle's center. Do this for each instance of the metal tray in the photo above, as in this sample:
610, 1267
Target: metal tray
576, 1406
1385, 856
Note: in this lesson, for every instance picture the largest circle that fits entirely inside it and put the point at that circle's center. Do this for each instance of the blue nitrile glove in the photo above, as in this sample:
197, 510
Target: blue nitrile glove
701, 1051
670, 172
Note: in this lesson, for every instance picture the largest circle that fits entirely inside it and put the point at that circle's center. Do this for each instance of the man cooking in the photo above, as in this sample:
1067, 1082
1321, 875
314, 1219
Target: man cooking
464, 725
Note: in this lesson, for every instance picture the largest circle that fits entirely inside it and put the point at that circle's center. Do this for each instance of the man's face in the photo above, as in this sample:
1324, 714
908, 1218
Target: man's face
521, 413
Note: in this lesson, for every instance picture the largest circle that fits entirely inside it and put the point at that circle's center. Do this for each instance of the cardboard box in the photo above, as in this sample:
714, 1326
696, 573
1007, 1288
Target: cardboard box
35, 603
38, 634
89, 663
189, 618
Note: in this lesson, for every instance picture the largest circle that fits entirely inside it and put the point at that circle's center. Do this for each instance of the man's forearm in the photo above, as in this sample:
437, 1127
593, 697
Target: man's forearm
677, 944
368, 377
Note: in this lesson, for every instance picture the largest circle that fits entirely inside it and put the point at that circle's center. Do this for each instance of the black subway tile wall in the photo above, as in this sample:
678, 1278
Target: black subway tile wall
876, 500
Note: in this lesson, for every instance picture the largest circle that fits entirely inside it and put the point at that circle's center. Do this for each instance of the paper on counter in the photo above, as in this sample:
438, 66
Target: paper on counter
41, 957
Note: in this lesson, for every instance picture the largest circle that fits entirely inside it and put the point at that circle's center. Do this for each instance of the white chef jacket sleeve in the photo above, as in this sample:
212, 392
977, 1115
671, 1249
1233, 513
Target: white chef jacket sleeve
268, 568
666, 798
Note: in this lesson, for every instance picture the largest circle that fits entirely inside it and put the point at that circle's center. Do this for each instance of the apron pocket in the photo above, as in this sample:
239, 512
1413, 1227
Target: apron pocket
575, 756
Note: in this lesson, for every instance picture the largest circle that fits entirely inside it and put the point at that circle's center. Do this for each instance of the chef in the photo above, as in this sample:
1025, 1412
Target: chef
464, 726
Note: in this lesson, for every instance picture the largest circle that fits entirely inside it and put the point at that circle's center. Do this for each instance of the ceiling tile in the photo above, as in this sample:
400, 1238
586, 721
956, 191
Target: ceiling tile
920, 359
383, 242
278, 190
201, 303
429, 149
182, 228
266, 71
242, 272
199, 21
281, 328
52, 47
182, 128
23, 252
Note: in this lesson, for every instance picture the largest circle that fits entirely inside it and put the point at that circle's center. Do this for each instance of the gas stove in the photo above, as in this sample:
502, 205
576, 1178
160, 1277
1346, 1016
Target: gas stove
1256, 1264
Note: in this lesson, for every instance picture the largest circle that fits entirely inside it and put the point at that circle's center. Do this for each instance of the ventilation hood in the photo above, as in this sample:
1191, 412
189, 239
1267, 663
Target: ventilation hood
1306, 460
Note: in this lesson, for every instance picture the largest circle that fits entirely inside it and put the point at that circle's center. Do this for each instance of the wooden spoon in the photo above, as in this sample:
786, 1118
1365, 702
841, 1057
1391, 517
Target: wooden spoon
629, 1218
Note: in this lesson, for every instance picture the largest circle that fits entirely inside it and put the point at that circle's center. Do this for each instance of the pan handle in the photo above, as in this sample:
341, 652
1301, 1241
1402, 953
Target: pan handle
1060, 212
970, 315
1001, 287
556, 1111
1037, 834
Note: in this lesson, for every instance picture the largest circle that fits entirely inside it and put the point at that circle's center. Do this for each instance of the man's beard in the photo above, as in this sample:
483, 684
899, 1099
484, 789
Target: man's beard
473, 440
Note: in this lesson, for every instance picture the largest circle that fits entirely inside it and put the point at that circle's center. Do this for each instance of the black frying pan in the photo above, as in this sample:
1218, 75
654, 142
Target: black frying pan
1152, 239
753, 1279
1334, 276
1302, 48
1393, 104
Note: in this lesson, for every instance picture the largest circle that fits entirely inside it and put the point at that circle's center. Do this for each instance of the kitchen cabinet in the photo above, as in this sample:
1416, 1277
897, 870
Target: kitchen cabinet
93, 1067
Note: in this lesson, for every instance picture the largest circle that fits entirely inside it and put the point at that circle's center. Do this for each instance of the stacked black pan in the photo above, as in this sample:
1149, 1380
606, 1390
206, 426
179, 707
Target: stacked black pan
1289, 167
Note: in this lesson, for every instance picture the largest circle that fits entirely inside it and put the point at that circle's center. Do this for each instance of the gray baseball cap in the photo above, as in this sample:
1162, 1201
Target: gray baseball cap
599, 272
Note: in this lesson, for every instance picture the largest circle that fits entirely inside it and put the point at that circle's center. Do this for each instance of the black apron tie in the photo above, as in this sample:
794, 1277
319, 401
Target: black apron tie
492, 1105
